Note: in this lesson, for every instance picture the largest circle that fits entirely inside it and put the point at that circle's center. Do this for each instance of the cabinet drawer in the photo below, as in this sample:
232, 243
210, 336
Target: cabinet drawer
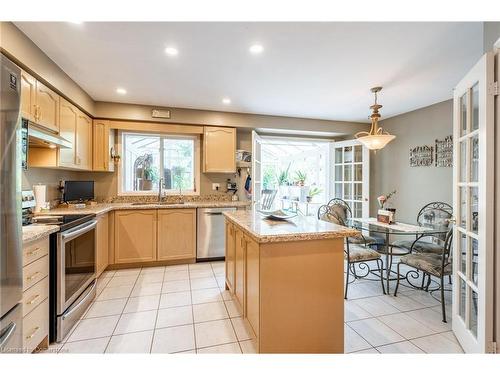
34, 272
35, 295
35, 250
36, 326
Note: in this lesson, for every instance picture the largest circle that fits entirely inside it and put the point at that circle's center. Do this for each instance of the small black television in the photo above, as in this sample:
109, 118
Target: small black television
78, 191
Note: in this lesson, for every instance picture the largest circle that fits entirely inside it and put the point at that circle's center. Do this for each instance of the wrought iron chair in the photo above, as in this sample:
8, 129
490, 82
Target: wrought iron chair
338, 212
267, 198
431, 264
434, 215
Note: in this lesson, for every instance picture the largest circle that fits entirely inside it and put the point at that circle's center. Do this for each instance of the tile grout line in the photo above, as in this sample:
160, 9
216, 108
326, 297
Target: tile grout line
192, 310
157, 312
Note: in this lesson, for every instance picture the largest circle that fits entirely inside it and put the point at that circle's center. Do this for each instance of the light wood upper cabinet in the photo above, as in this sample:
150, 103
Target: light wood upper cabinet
84, 141
102, 242
229, 263
103, 143
135, 236
47, 107
239, 279
28, 96
68, 119
176, 234
219, 149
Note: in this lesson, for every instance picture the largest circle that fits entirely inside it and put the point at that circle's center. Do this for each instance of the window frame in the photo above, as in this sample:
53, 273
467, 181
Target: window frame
162, 136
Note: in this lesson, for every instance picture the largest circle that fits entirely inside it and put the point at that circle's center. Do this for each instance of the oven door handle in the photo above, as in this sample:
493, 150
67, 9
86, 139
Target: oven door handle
69, 235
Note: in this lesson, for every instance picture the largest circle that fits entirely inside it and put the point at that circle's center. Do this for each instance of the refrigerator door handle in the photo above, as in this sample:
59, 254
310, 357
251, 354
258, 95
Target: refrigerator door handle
6, 334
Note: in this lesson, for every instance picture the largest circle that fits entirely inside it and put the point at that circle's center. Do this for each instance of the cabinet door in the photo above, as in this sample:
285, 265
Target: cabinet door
28, 96
230, 255
102, 243
84, 141
252, 284
47, 102
68, 118
135, 236
176, 234
102, 138
239, 279
219, 149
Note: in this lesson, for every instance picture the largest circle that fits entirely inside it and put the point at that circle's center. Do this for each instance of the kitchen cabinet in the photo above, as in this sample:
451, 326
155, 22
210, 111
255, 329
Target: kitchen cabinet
219, 150
35, 300
83, 135
135, 236
28, 96
176, 234
47, 107
239, 276
39, 103
102, 243
252, 284
103, 145
68, 119
230, 256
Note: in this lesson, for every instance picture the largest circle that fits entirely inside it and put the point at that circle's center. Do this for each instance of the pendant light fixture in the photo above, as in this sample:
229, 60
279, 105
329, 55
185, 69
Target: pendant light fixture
376, 139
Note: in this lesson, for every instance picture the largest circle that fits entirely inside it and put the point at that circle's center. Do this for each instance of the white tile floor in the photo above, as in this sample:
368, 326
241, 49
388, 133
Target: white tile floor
185, 309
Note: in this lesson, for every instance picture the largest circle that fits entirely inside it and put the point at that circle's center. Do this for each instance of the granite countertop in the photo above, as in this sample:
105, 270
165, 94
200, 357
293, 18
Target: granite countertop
102, 208
300, 228
35, 232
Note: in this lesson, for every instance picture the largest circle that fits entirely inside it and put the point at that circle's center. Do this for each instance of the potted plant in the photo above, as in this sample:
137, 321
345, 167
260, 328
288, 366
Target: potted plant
312, 193
382, 200
150, 177
300, 177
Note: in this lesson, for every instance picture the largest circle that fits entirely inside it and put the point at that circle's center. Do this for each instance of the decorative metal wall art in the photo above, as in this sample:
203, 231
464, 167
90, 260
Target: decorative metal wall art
421, 156
444, 152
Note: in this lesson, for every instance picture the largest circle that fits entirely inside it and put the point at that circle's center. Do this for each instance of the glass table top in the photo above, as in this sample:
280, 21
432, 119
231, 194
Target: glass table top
372, 225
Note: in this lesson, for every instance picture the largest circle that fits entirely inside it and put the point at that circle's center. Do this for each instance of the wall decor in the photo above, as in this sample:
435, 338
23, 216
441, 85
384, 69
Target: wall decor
421, 156
444, 152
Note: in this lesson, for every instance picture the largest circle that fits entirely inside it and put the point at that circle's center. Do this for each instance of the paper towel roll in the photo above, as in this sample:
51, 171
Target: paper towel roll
40, 192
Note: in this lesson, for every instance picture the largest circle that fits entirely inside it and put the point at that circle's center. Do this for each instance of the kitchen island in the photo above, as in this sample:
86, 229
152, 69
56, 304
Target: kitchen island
286, 278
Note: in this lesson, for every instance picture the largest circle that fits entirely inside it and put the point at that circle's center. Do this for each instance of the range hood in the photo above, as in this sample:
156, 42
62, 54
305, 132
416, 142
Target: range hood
39, 137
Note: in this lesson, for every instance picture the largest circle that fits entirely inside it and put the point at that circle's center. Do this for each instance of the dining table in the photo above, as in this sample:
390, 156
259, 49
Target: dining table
387, 232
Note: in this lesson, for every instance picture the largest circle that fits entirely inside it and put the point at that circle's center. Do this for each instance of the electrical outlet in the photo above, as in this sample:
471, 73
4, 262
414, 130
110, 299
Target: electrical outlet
215, 186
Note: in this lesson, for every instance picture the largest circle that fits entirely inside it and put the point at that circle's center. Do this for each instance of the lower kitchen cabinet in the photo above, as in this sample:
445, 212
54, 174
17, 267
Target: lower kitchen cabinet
252, 284
176, 234
239, 274
135, 236
230, 256
102, 241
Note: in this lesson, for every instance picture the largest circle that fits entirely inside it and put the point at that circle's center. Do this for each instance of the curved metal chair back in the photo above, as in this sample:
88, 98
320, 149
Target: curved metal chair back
436, 215
267, 199
337, 211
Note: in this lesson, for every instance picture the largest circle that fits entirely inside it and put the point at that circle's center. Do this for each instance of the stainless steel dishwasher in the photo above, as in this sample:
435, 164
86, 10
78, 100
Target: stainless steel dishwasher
211, 233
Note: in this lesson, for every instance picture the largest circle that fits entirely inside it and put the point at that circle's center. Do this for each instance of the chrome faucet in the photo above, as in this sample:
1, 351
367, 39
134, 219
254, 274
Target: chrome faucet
160, 186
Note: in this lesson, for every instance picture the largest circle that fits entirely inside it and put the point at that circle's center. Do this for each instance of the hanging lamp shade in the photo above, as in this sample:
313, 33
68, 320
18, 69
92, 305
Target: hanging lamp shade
376, 138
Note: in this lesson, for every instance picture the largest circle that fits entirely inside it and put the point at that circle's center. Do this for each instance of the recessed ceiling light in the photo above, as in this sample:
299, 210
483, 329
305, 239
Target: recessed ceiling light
226, 101
256, 49
121, 91
171, 51
76, 22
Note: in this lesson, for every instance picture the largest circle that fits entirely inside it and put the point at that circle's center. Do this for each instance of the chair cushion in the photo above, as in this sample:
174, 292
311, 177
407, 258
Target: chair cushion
361, 253
419, 246
365, 239
427, 262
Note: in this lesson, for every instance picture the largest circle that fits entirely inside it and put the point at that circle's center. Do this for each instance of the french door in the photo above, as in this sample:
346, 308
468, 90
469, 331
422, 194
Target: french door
351, 176
473, 193
256, 169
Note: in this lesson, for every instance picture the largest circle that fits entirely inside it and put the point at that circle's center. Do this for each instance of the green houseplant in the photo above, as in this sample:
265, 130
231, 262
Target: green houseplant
312, 193
300, 177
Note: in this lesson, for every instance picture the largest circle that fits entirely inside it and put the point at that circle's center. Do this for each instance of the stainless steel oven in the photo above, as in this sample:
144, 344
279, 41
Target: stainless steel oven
72, 273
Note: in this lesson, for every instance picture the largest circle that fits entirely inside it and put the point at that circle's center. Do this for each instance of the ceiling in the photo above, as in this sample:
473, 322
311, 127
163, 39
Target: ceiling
311, 70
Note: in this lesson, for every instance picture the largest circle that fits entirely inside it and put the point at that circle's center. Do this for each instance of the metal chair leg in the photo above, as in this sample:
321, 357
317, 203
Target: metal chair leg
380, 267
428, 283
449, 279
347, 279
397, 282
423, 281
442, 300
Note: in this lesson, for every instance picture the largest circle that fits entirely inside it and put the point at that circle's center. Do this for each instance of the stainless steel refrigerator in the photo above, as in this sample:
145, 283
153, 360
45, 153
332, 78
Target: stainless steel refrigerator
10, 208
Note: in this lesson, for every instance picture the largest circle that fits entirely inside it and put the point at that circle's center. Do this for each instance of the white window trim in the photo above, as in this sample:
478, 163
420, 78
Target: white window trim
171, 192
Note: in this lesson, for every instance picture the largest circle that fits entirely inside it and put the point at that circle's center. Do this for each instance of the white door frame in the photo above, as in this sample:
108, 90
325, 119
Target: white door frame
497, 200
365, 171
256, 168
482, 74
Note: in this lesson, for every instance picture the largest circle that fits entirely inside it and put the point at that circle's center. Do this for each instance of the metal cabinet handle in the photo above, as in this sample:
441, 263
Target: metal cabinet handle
33, 299
34, 276
33, 252
33, 334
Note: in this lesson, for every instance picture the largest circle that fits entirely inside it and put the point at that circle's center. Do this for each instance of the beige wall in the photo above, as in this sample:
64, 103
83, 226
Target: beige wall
390, 168
31, 58
491, 33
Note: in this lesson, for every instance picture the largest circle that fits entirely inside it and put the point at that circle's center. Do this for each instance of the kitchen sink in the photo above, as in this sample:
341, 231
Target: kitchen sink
155, 203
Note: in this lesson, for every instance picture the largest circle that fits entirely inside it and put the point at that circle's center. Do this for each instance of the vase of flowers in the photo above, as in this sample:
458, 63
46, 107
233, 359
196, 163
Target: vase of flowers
383, 199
